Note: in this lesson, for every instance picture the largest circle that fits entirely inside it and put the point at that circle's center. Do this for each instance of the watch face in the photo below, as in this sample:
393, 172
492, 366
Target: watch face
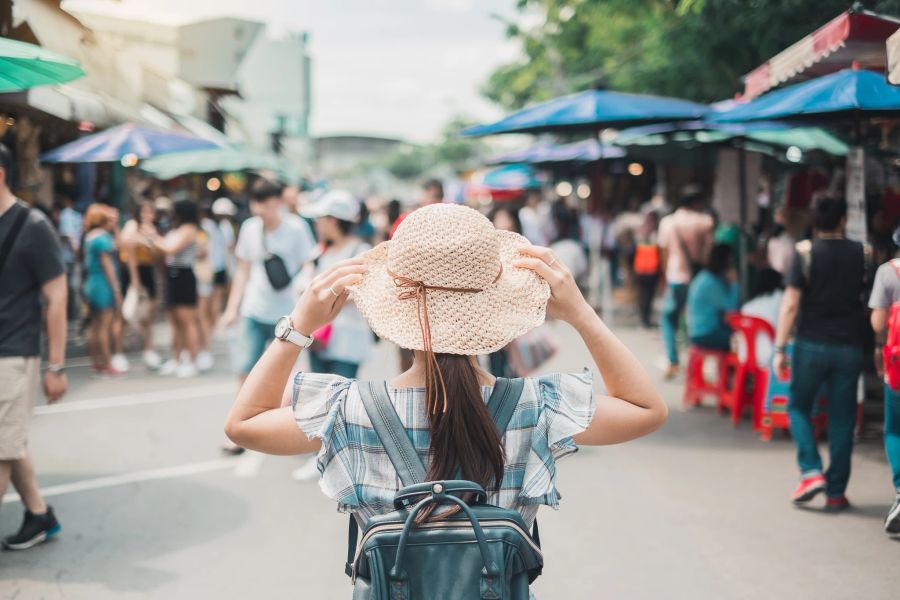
282, 327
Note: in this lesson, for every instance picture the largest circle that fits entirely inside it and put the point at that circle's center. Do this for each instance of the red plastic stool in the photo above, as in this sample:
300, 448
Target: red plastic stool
737, 394
774, 410
695, 384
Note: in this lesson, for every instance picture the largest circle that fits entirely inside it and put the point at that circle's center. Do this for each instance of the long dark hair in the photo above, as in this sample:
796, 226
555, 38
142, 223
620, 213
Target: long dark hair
464, 441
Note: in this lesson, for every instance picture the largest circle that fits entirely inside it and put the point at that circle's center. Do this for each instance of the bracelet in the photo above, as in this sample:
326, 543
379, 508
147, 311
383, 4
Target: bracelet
779, 350
56, 367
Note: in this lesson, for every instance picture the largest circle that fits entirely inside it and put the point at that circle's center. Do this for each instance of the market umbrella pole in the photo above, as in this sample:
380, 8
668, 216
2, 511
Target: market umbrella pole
743, 265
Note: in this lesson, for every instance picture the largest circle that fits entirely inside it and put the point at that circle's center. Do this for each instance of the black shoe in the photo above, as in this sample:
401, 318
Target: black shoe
892, 522
35, 529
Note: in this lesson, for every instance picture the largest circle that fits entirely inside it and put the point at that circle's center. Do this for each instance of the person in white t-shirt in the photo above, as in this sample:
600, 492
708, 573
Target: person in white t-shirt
259, 304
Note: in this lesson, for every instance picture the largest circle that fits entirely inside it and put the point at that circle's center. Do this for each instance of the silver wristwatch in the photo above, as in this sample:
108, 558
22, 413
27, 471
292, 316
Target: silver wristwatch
284, 330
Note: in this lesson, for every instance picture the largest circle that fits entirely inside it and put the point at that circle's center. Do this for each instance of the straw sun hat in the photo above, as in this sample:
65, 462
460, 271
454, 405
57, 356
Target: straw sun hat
445, 283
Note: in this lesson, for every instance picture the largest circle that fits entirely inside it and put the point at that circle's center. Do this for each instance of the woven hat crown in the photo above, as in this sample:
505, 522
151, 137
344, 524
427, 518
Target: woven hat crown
446, 245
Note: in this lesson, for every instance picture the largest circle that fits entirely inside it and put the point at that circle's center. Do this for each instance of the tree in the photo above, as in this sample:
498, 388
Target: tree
451, 150
695, 49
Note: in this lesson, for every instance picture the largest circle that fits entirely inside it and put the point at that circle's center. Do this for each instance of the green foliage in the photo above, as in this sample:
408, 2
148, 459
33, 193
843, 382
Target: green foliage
695, 49
452, 150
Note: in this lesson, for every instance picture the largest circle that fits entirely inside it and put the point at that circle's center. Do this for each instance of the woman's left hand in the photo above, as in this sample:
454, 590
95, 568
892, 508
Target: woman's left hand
326, 295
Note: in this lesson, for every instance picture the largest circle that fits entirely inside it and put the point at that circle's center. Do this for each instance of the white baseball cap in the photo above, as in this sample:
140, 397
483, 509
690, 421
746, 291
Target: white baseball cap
339, 204
224, 206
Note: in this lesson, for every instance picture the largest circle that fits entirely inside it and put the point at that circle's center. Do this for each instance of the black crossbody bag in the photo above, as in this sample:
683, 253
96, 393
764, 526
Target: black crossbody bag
10, 239
276, 269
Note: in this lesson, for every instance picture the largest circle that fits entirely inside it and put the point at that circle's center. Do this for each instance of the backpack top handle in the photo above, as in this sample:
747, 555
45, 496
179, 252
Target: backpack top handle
489, 575
412, 493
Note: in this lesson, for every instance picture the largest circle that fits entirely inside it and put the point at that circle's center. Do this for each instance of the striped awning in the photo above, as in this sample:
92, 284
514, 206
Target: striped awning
855, 36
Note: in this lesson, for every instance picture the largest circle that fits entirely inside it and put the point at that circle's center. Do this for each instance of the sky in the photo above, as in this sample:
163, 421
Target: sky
400, 68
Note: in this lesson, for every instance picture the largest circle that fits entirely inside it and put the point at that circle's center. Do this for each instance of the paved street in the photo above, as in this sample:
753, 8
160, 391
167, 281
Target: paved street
150, 509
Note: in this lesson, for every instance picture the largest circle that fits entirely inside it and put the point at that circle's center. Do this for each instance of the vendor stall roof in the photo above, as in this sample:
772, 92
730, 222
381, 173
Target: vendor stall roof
853, 36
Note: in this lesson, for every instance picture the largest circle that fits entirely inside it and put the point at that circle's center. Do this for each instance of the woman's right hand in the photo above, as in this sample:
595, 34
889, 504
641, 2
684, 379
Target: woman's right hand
326, 295
567, 303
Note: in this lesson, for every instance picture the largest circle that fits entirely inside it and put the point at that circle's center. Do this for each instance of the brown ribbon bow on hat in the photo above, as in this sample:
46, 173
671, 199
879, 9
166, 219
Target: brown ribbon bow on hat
414, 289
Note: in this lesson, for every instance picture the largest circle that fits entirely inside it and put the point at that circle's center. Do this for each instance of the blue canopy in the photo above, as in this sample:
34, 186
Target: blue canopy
511, 177
591, 110
838, 94
583, 151
117, 142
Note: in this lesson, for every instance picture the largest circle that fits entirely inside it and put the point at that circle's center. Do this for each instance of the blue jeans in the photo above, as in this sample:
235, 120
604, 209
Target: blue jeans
317, 364
673, 305
892, 431
838, 367
257, 335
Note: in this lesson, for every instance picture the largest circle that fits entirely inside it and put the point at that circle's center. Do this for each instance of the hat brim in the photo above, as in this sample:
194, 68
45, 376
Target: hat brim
317, 212
461, 323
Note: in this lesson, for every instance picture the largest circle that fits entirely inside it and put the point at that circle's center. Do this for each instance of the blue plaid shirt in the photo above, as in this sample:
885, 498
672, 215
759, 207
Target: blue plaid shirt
357, 474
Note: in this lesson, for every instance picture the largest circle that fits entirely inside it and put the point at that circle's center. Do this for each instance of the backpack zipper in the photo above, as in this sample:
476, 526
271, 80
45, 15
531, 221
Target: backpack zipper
386, 527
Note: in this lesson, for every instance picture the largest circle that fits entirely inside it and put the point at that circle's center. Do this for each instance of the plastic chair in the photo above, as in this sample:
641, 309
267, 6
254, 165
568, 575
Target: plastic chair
774, 414
736, 393
696, 387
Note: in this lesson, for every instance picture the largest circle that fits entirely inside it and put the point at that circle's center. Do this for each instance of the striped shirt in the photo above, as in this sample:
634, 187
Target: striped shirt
357, 474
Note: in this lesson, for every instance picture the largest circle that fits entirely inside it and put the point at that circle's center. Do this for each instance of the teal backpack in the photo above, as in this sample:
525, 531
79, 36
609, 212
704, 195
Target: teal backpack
482, 551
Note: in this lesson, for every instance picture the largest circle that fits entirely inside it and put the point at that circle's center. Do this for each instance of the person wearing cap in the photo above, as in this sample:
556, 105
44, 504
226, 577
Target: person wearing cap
349, 341
345, 343
223, 211
450, 287
685, 238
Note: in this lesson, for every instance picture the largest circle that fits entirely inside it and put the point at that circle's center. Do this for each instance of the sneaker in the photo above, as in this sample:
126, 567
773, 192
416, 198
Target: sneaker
152, 359
119, 363
169, 367
232, 449
835, 504
186, 369
205, 361
808, 489
35, 529
892, 522
308, 472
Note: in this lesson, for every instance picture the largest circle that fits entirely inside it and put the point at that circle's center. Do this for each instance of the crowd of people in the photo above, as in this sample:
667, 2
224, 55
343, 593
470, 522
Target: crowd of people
811, 288
239, 265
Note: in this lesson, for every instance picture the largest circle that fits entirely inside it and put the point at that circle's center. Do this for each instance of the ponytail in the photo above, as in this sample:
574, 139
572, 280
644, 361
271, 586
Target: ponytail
464, 440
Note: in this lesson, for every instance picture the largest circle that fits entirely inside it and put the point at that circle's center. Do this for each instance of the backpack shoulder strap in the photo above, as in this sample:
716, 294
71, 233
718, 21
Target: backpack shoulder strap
895, 263
13, 233
402, 454
503, 401
391, 432
804, 249
502, 404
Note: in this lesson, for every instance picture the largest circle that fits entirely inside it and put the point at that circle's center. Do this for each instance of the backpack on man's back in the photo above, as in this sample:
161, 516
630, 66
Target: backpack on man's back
891, 350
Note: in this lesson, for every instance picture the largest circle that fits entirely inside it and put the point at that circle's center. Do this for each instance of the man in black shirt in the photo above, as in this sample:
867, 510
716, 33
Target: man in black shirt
824, 297
31, 266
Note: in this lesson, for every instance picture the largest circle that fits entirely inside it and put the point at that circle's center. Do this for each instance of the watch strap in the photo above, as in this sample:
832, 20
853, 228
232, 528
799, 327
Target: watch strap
298, 339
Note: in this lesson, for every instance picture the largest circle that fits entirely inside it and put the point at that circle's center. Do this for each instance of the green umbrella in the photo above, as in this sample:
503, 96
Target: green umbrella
24, 66
807, 139
168, 166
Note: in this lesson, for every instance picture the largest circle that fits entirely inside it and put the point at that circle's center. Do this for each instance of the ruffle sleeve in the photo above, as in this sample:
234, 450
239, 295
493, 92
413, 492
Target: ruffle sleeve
318, 402
565, 406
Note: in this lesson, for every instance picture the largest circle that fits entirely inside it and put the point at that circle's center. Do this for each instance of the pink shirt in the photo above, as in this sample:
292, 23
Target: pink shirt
695, 232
